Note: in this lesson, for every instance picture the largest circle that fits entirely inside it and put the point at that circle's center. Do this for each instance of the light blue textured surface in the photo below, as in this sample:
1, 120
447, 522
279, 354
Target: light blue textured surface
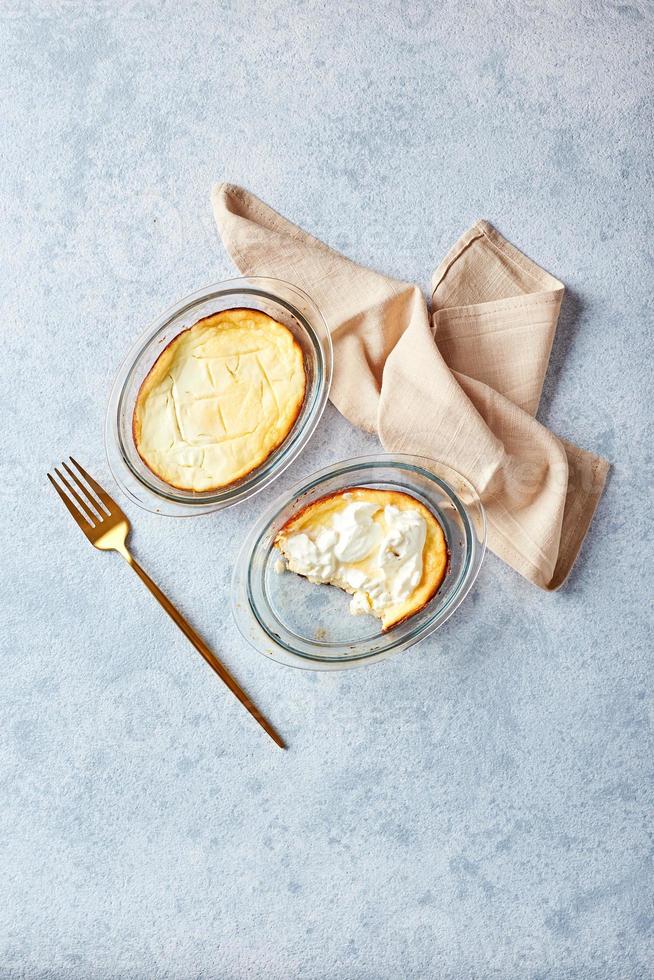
478, 807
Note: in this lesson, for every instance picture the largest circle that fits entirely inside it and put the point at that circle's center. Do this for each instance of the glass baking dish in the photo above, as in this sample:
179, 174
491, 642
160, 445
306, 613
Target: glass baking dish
283, 302
297, 623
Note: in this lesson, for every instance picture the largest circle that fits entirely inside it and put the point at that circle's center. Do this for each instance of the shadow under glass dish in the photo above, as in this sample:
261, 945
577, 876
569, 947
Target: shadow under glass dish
283, 302
300, 624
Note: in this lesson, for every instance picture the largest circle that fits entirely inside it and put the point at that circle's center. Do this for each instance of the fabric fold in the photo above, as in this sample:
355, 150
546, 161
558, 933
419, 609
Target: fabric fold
461, 386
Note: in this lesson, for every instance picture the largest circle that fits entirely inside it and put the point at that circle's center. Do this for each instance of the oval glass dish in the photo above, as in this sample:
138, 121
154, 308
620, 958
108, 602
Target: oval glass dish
294, 622
280, 300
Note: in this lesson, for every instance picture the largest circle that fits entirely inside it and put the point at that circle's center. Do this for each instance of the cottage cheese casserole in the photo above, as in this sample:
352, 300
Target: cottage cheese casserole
384, 547
219, 399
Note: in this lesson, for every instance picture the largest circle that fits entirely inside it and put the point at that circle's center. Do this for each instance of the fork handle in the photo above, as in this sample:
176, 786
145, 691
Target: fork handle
203, 649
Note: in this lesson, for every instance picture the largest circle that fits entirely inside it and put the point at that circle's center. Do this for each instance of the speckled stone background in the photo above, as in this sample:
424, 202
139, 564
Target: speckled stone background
478, 807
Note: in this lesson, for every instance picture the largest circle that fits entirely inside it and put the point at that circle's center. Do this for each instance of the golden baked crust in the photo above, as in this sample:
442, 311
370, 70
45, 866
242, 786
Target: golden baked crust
434, 554
219, 399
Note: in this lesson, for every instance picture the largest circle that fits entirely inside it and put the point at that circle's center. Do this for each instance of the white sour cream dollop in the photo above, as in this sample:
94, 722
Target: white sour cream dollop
379, 561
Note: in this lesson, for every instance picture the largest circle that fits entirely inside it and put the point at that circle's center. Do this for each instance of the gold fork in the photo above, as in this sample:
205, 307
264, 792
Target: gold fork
106, 527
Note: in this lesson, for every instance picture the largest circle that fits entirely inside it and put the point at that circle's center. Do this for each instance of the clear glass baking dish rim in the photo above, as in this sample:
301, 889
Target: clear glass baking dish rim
124, 474
424, 466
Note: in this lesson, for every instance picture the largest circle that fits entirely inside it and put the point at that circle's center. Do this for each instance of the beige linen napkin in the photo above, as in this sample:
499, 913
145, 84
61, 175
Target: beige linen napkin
463, 389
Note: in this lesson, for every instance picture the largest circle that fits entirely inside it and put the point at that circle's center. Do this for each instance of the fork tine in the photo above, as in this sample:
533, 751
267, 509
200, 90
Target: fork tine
110, 504
85, 490
77, 517
93, 518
